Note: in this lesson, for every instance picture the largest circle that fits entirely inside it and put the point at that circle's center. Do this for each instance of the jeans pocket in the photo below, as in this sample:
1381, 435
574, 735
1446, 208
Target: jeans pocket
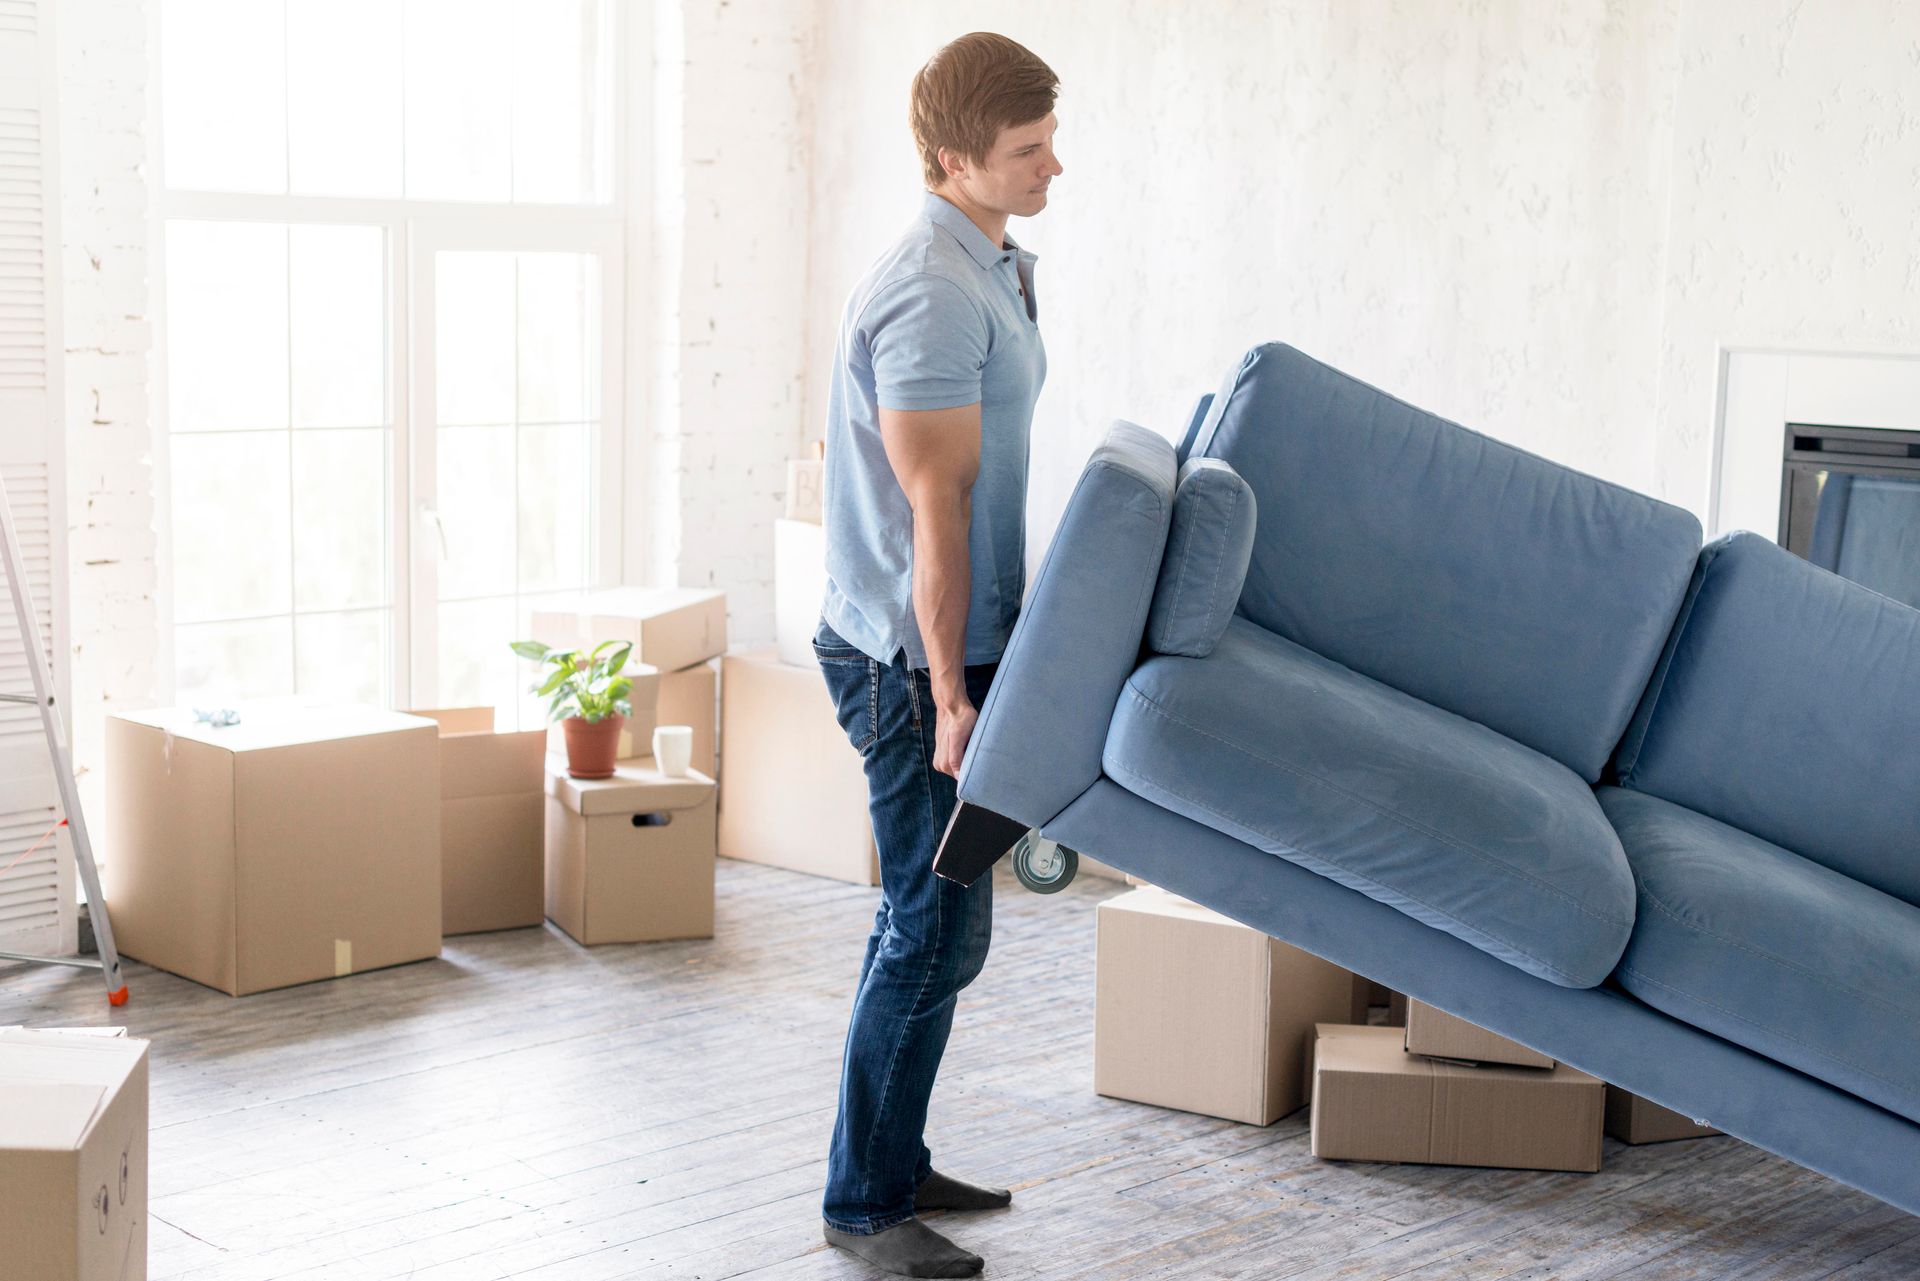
831, 647
855, 686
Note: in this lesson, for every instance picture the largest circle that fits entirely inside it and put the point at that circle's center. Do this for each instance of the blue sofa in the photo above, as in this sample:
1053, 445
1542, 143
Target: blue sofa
1498, 734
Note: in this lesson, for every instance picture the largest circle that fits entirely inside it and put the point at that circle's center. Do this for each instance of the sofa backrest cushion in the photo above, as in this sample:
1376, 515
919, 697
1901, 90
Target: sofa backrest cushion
1788, 705
1206, 561
1486, 580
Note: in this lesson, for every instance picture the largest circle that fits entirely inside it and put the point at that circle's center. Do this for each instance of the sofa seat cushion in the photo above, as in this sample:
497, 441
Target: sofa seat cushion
1440, 817
1772, 951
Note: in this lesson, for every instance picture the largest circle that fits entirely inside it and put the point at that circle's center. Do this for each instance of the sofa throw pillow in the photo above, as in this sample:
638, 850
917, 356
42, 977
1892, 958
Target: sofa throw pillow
1208, 547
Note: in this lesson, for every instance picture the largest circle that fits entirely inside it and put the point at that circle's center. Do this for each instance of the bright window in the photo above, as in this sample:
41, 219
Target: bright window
392, 258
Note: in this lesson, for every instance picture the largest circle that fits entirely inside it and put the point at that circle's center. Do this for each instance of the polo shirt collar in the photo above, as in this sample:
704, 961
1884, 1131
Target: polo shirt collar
942, 212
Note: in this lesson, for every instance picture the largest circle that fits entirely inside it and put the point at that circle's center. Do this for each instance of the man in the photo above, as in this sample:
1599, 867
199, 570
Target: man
935, 377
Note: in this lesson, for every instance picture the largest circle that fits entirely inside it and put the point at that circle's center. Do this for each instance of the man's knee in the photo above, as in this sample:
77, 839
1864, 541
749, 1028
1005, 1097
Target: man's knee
938, 962
971, 951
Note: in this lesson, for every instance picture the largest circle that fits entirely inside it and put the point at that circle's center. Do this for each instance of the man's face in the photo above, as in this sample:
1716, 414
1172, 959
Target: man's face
1014, 178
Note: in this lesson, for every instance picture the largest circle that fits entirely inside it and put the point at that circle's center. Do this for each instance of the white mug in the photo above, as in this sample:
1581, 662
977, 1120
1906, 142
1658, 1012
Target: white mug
673, 749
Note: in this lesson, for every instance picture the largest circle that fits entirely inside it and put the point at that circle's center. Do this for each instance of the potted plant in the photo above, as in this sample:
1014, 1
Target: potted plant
588, 696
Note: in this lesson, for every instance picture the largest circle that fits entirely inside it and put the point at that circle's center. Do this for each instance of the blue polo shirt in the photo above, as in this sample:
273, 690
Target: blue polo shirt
945, 318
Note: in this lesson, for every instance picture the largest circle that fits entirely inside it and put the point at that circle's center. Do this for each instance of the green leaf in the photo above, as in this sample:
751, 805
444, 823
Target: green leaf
553, 682
619, 659
530, 649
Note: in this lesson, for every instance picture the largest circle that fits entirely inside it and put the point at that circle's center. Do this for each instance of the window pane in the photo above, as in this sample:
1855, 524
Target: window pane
474, 352
476, 481
226, 325
220, 664
559, 334
343, 657
556, 497
230, 525
340, 518
459, 76
223, 94
477, 669
562, 109
338, 296
343, 97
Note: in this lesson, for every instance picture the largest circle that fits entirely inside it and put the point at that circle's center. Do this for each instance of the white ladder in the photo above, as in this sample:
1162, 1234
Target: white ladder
75, 822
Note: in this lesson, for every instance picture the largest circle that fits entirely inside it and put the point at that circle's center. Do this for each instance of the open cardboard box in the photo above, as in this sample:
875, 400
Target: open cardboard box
491, 826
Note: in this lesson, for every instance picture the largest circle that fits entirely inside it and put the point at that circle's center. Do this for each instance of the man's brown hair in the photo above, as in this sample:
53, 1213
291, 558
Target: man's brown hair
972, 89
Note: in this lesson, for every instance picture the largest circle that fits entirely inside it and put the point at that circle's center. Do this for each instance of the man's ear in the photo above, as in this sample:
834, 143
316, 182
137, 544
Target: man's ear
952, 163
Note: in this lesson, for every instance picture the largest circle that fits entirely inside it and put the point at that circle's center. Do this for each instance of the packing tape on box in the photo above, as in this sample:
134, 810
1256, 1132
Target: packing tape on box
342, 957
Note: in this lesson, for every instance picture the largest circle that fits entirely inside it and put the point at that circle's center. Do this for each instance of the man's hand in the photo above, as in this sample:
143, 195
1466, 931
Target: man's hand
952, 727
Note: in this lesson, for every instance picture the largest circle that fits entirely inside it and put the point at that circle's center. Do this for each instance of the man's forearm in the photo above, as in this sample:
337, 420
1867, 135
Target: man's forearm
942, 584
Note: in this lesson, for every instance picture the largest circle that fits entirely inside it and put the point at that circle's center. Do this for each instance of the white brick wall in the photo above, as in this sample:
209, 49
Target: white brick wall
732, 141
111, 545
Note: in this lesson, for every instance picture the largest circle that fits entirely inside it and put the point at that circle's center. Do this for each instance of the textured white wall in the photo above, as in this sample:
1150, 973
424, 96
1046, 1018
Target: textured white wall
111, 540
1796, 200
1468, 204
727, 301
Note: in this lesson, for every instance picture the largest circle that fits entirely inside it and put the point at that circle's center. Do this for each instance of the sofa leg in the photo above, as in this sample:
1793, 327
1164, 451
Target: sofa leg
974, 841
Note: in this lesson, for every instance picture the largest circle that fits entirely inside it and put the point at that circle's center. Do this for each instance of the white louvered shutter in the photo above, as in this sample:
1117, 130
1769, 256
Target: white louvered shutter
37, 911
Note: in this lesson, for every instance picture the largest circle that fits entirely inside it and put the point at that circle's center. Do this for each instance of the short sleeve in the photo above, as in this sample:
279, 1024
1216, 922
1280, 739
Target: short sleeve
927, 342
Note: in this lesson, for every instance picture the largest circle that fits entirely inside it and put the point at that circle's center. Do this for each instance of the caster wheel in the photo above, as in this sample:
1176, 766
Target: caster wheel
1044, 866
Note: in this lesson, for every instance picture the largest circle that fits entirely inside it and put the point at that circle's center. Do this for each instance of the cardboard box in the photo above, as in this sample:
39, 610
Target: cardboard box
492, 833
1632, 1119
73, 1156
630, 858
670, 627
799, 588
302, 843
1193, 1010
1372, 1101
795, 794
691, 697
1369, 996
805, 491
1357, 1006
1440, 1035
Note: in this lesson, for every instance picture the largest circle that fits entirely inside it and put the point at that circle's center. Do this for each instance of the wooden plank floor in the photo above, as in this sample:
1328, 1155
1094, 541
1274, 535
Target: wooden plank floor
524, 1107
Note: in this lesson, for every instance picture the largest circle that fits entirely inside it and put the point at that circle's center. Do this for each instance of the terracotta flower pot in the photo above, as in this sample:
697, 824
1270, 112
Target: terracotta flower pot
592, 745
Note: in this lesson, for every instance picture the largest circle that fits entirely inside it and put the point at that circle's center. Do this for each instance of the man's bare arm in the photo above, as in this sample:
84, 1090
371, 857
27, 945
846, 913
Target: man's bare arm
935, 455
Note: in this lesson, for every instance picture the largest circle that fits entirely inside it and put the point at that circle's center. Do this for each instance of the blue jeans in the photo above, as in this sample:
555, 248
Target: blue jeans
929, 939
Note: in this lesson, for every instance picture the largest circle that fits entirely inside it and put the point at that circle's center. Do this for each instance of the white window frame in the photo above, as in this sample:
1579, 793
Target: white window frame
415, 230
426, 238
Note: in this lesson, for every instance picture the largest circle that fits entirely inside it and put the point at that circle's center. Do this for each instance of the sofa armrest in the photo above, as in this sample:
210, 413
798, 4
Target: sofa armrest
1039, 738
